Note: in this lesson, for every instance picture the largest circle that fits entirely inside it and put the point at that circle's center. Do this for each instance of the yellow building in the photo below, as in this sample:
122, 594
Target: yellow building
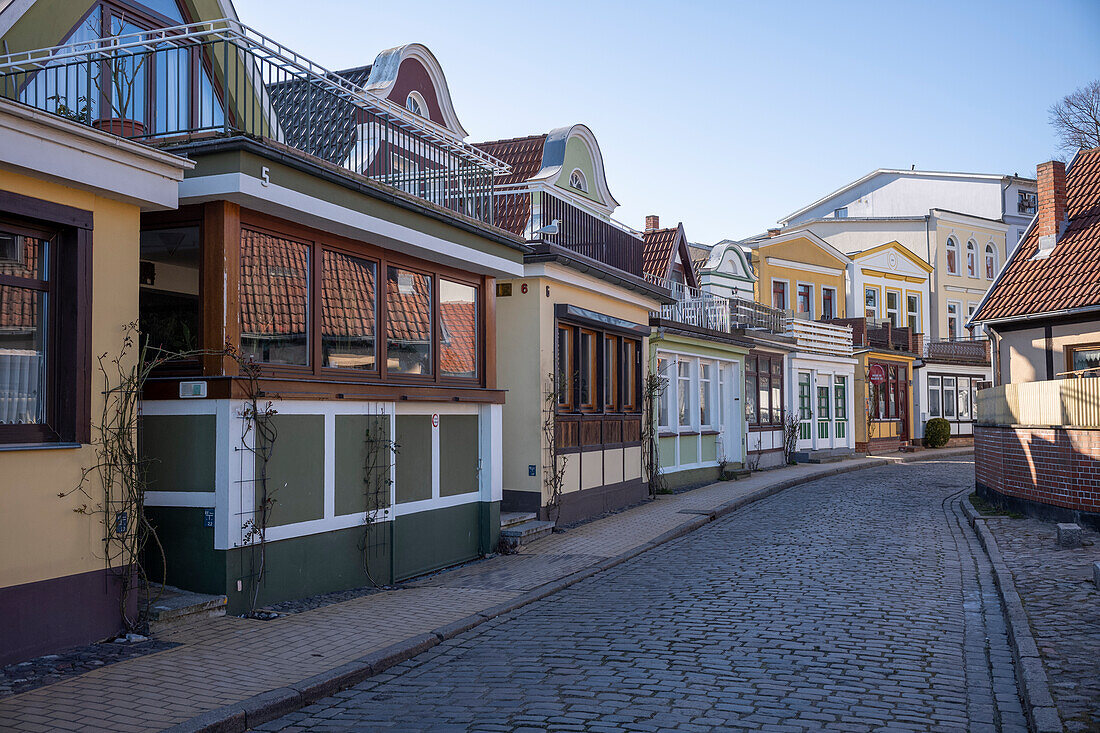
801, 272
68, 287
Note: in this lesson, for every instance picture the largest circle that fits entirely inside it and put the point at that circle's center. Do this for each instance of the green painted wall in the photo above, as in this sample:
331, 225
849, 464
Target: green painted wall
305, 566
413, 470
426, 541
689, 449
577, 156
192, 561
180, 451
295, 470
692, 477
667, 448
709, 447
46, 23
458, 453
352, 458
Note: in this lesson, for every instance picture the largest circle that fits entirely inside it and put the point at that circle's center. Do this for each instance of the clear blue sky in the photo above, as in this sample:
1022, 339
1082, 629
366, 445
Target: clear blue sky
729, 115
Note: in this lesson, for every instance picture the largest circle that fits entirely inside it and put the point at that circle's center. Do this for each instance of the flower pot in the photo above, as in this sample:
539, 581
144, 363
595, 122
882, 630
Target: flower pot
120, 127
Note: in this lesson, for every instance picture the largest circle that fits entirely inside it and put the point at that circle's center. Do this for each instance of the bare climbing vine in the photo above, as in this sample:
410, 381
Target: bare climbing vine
258, 416
653, 388
379, 453
790, 438
553, 472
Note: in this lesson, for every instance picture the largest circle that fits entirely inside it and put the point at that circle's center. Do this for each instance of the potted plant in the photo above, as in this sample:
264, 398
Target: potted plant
124, 73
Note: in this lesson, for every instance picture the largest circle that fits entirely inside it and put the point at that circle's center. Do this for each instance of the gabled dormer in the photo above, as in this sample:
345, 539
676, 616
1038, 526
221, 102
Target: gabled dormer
727, 271
667, 255
412, 77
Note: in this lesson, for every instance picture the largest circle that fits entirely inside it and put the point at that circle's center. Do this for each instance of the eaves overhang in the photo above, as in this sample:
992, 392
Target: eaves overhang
544, 252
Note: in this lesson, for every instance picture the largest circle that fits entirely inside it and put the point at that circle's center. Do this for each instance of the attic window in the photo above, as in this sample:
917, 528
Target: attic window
577, 181
415, 104
841, 213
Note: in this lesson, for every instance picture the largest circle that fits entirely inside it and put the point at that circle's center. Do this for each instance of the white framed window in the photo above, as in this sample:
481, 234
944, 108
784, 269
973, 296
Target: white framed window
664, 404
893, 307
949, 398
805, 302
684, 392
935, 400
779, 294
828, 303
706, 396
870, 301
578, 181
952, 256
954, 319
990, 261
841, 213
964, 398
415, 104
971, 259
912, 311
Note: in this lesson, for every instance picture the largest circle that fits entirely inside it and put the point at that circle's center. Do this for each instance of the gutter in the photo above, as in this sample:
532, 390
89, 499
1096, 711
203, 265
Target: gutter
1045, 315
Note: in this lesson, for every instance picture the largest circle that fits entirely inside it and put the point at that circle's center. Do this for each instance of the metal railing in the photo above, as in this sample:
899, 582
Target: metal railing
963, 350
222, 78
697, 307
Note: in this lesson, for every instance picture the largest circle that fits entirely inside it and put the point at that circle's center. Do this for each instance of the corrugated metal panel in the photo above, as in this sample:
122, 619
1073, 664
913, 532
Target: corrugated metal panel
1064, 403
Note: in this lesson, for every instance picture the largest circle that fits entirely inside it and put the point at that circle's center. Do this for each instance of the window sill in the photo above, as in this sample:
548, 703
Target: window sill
38, 446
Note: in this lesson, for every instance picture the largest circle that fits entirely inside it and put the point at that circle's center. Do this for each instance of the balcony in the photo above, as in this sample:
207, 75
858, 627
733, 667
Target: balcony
974, 351
820, 337
880, 334
543, 218
695, 307
223, 79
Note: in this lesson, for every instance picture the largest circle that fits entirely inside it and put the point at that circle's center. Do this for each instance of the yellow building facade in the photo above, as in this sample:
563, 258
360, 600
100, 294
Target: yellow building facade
800, 272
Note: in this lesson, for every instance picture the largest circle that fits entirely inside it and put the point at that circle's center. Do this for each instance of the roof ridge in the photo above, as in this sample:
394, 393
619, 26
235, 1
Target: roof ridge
510, 140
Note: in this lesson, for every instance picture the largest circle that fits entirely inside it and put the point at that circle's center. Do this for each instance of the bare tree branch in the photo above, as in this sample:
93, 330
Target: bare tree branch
1076, 119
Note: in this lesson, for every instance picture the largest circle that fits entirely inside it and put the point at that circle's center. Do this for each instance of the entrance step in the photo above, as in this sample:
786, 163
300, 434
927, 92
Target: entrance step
733, 470
823, 456
511, 519
176, 608
524, 533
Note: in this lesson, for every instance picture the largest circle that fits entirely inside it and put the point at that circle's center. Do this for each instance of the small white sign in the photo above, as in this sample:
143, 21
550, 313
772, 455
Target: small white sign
191, 390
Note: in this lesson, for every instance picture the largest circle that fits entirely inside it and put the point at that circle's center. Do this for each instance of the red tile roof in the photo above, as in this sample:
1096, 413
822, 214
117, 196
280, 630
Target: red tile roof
1070, 276
512, 212
660, 250
458, 349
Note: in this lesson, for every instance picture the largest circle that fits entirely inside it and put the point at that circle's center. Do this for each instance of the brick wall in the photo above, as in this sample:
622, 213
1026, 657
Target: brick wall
1055, 466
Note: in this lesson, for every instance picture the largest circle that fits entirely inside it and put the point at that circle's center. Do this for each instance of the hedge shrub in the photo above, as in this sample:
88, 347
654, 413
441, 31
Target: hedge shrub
937, 432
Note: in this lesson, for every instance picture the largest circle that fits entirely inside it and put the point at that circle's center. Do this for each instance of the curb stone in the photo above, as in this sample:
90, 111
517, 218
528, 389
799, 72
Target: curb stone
267, 706
1042, 714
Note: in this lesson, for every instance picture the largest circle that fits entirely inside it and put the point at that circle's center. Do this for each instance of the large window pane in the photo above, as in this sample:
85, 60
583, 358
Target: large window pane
458, 321
408, 322
22, 355
274, 299
750, 399
705, 376
684, 392
765, 390
169, 298
587, 367
347, 311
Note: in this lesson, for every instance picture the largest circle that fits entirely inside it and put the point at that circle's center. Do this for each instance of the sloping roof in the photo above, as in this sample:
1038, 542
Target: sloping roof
523, 154
699, 255
322, 124
660, 247
1069, 277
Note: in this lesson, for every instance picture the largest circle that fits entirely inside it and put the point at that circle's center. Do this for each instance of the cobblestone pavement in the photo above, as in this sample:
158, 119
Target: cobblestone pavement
857, 602
1063, 607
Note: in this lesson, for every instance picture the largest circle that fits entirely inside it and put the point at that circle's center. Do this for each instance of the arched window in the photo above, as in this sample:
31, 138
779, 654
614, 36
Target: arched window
971, 259
952, 256
990, 261
576, 180
415, 104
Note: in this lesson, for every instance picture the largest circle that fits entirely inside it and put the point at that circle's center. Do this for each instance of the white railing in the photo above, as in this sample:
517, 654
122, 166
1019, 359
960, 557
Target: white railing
821, 338
697, 307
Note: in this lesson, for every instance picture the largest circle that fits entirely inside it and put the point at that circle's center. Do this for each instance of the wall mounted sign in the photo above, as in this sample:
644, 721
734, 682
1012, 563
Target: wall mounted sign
877, 374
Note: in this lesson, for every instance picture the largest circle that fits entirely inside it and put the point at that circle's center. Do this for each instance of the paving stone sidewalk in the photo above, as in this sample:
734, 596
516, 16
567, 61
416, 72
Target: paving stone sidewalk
1063, 609
231, 659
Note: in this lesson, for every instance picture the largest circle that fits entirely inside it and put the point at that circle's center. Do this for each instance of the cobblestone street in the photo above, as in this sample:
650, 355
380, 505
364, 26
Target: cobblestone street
856, 602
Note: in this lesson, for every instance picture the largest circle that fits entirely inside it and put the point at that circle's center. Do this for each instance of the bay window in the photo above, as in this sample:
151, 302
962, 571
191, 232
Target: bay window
458, 326
683, 392
764, 389
663, 409
597, 372
348, 304
565, 374
408, 322
706, 380
586, 370
274, 299
631, 365
610, 373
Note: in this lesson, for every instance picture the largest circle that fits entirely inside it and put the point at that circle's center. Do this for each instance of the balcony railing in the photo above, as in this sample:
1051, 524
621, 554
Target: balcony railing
537, 214
221, 78
820, 337
962, 351
881, 334
696, 307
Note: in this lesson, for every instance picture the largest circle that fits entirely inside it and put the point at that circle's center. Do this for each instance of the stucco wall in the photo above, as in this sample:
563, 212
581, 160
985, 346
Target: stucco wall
40, 536
1022, 352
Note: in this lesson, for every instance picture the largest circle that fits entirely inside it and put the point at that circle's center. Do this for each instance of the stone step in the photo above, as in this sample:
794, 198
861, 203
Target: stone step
832, 455
175, 608
521, 534
510, 519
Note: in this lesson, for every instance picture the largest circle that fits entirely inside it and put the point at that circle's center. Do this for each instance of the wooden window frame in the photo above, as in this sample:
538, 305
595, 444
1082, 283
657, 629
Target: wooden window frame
68, 287
753, 372
591, 370
1068, 354
612, 369
631, 387
565, 363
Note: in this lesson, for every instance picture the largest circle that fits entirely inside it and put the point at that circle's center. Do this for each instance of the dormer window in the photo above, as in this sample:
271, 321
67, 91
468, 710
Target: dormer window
577, 181
415, 104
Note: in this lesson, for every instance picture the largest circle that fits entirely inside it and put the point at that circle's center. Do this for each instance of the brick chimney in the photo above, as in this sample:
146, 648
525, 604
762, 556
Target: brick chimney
652, 222
1052, 201
775, 232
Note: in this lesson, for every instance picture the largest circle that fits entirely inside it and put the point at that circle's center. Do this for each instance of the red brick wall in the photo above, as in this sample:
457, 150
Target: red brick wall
1058, 466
